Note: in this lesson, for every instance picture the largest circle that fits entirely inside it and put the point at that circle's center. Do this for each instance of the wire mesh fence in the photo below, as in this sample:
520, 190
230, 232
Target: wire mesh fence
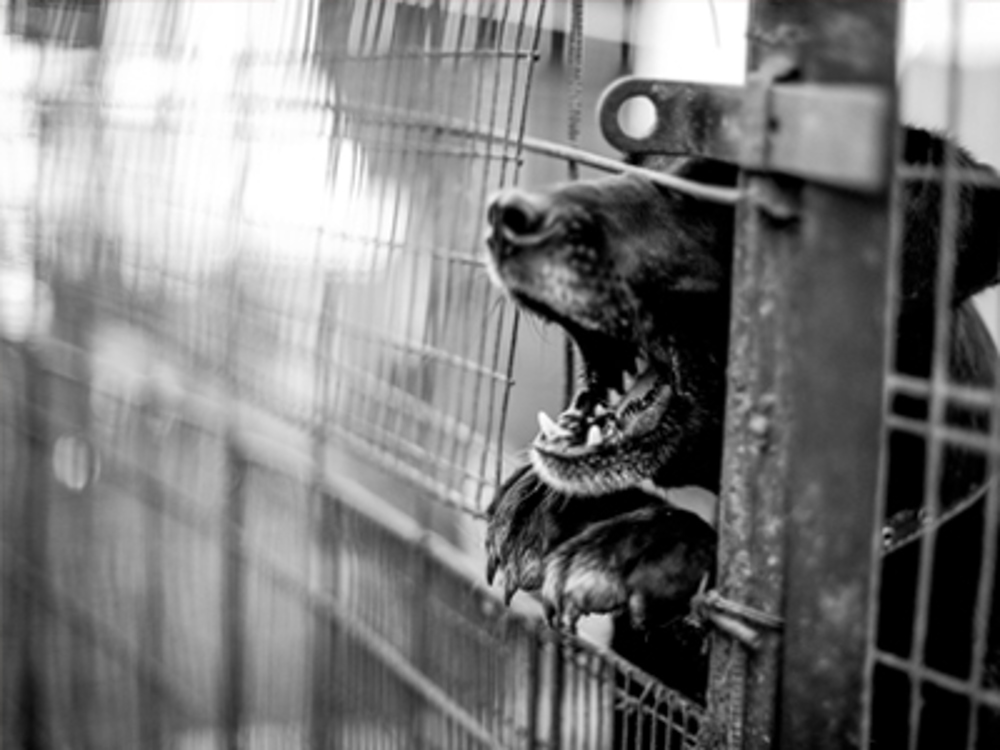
935, 644
245, 242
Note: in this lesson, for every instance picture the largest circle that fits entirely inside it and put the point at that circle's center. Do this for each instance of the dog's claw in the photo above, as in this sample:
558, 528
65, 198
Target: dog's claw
510, 587
551, 614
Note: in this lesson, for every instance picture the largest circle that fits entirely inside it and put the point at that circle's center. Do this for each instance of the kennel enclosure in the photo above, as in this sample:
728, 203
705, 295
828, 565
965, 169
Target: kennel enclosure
259, 391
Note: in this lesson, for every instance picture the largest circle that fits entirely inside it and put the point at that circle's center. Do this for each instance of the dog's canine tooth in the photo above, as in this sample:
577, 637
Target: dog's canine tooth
594, 436
551, 429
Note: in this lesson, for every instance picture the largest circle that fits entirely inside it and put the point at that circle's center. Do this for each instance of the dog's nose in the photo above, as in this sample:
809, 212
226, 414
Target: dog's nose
517, 213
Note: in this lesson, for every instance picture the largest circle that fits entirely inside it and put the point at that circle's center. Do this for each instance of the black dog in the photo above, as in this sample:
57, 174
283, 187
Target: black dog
639, 277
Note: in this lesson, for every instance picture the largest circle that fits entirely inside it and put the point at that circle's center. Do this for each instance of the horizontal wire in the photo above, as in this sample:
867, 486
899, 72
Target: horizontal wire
964, 395
919, 671
941, 520
952, 435
935, 173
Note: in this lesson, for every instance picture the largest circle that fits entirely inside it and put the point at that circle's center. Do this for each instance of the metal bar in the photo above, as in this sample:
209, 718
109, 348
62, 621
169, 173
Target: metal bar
944, 268
151, 629
835, 468
323, 705
944, 433
420, 615
802, 442
920, 673
572, 168
556, 667
957, 393
31, 705
234, 672
986, 595
336, 540
934, 175
532, 695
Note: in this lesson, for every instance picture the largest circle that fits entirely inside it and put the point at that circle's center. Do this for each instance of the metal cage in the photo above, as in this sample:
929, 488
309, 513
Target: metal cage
257, 369
256, 388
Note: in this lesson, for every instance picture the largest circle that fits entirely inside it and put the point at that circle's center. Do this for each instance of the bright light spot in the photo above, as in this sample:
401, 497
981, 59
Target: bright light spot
136, 83
25, 302
692, 40
300, 213
928, 31
637, 117
75, 462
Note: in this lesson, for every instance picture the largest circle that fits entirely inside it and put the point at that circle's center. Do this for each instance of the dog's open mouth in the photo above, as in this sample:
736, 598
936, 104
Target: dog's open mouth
627, 395
604, 418
551, 257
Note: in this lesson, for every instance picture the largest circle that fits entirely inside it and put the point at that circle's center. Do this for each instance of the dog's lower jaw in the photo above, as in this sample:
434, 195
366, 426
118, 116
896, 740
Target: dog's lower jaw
575, 477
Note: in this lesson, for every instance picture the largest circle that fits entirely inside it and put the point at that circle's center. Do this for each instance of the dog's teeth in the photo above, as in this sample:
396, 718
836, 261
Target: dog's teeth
600, 410
594, 436
641, 365
628, 381
613, 397
549, 428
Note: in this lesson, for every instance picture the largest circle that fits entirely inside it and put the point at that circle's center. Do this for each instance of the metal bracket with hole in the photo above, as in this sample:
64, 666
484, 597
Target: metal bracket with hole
835, 135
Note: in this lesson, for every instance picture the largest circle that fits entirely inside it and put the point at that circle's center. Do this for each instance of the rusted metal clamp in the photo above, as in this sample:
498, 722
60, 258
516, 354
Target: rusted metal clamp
736, 620
831, 134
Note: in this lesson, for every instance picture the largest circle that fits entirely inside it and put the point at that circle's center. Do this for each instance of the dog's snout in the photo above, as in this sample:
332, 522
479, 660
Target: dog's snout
517, 213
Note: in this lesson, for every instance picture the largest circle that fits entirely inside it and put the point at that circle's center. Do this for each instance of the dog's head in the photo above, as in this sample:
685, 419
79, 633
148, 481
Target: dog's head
638, 276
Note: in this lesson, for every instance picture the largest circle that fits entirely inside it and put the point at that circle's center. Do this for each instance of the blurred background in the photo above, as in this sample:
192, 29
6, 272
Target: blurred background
255, 388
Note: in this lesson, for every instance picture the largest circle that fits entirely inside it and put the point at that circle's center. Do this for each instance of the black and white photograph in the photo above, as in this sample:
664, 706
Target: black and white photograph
500, 374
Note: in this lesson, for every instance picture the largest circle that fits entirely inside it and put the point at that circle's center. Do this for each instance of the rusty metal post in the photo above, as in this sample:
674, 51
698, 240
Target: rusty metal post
805, 392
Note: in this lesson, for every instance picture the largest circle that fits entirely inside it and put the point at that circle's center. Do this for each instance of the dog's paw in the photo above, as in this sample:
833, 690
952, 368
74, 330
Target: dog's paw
528, 520
518, 531
646, 562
